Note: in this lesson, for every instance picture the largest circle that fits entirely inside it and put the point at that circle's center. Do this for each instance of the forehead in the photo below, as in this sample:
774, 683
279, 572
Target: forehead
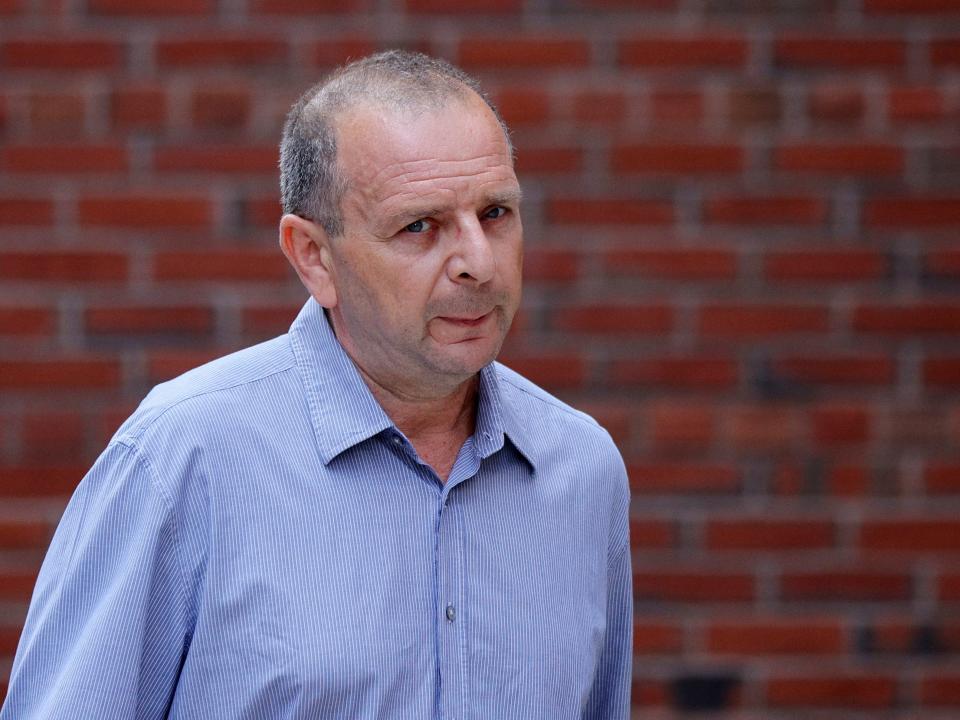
388, 153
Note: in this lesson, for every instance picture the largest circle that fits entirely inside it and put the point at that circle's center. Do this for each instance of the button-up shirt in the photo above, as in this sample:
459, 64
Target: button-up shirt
259, 541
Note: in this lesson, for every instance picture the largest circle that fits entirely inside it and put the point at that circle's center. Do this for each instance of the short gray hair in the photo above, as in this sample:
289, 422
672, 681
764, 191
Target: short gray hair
311, 184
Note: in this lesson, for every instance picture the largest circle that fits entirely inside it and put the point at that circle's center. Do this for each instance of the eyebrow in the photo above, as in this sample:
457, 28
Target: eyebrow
506, 197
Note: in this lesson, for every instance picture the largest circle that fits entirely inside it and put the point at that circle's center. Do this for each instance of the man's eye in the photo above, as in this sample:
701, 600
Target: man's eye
420, 226
496, 212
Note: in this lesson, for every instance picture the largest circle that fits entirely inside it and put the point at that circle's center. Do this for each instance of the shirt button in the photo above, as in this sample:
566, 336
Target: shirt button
451, 613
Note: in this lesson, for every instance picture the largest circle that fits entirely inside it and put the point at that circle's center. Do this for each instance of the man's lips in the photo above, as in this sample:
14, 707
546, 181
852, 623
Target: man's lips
468, 321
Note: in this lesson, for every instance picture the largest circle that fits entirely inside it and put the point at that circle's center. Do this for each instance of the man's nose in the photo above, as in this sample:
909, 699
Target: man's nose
472, 260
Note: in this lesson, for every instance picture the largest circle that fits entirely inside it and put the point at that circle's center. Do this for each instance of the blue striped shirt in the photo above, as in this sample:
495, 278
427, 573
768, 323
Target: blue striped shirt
259, 541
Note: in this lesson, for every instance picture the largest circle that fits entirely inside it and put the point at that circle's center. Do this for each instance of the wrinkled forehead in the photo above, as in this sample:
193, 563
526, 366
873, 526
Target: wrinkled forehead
378, 144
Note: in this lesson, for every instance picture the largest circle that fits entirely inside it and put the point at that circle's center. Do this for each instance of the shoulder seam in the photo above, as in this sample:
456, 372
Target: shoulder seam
167, 408
559, 405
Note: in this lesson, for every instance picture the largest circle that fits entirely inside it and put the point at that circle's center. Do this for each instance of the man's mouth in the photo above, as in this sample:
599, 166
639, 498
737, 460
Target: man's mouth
467, 320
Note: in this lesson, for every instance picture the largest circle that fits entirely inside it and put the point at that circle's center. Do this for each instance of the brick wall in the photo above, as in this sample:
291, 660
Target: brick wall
742, 220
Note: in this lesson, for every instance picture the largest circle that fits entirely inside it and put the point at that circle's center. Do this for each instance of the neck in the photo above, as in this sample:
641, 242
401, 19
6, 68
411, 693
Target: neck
421, 417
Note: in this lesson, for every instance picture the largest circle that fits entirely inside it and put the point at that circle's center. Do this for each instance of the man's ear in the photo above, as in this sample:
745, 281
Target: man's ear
306, 246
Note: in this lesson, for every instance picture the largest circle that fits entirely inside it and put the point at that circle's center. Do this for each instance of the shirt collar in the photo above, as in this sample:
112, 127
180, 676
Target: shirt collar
344, 412
342, 408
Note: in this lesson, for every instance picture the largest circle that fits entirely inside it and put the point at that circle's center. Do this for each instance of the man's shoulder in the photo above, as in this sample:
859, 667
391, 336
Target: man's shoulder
200, 393
532, 401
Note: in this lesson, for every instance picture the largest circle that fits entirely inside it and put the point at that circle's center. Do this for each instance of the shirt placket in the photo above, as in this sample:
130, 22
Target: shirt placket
453, 612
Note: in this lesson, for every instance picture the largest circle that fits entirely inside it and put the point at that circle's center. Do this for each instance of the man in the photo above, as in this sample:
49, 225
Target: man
366, 517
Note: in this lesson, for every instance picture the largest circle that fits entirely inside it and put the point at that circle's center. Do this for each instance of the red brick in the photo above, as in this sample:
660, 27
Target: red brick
940, 690
262, 211
63, 266
330, 53
523, 105
900, 212
16, 585
825, 265
654, 319
702, 372
910, 535
142, 211
848, 585
600, 107
554, 371
836, 369
948, 588
542, 265
38, 481
580, 211
634, 4
62, 115
146, 8
765, 210
704, 51
676, 159
549, 160
52, 436
217, 158
769, 535
848, 481
220, 109
750, 107
904, 7
682, 427
464, 6
672, 264
61, 54
191, 320
786, 636
760, 428
945, 51
840, 425
868, 160
670, 107
916, 104
832, 691
652, 637
942, 371
9, 635
138, 107
268, 320
163, 365
942, 478
544, 51
63, 159
684, 478
25, 211
650, 534
760, 320
60, 374
26, 320
647, 692
837, 104
225, 265
944, 263
907, 319
692, 586
229, 51
802, 50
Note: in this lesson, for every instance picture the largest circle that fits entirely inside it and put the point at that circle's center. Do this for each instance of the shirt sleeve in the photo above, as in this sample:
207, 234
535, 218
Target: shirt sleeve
107, 628
609, 698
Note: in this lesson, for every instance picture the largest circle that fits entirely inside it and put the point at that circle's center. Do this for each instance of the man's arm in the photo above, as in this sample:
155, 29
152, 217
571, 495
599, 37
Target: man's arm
610, 697
107, 628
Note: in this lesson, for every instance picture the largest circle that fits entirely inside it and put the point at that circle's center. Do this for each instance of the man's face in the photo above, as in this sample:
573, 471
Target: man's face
428, 269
